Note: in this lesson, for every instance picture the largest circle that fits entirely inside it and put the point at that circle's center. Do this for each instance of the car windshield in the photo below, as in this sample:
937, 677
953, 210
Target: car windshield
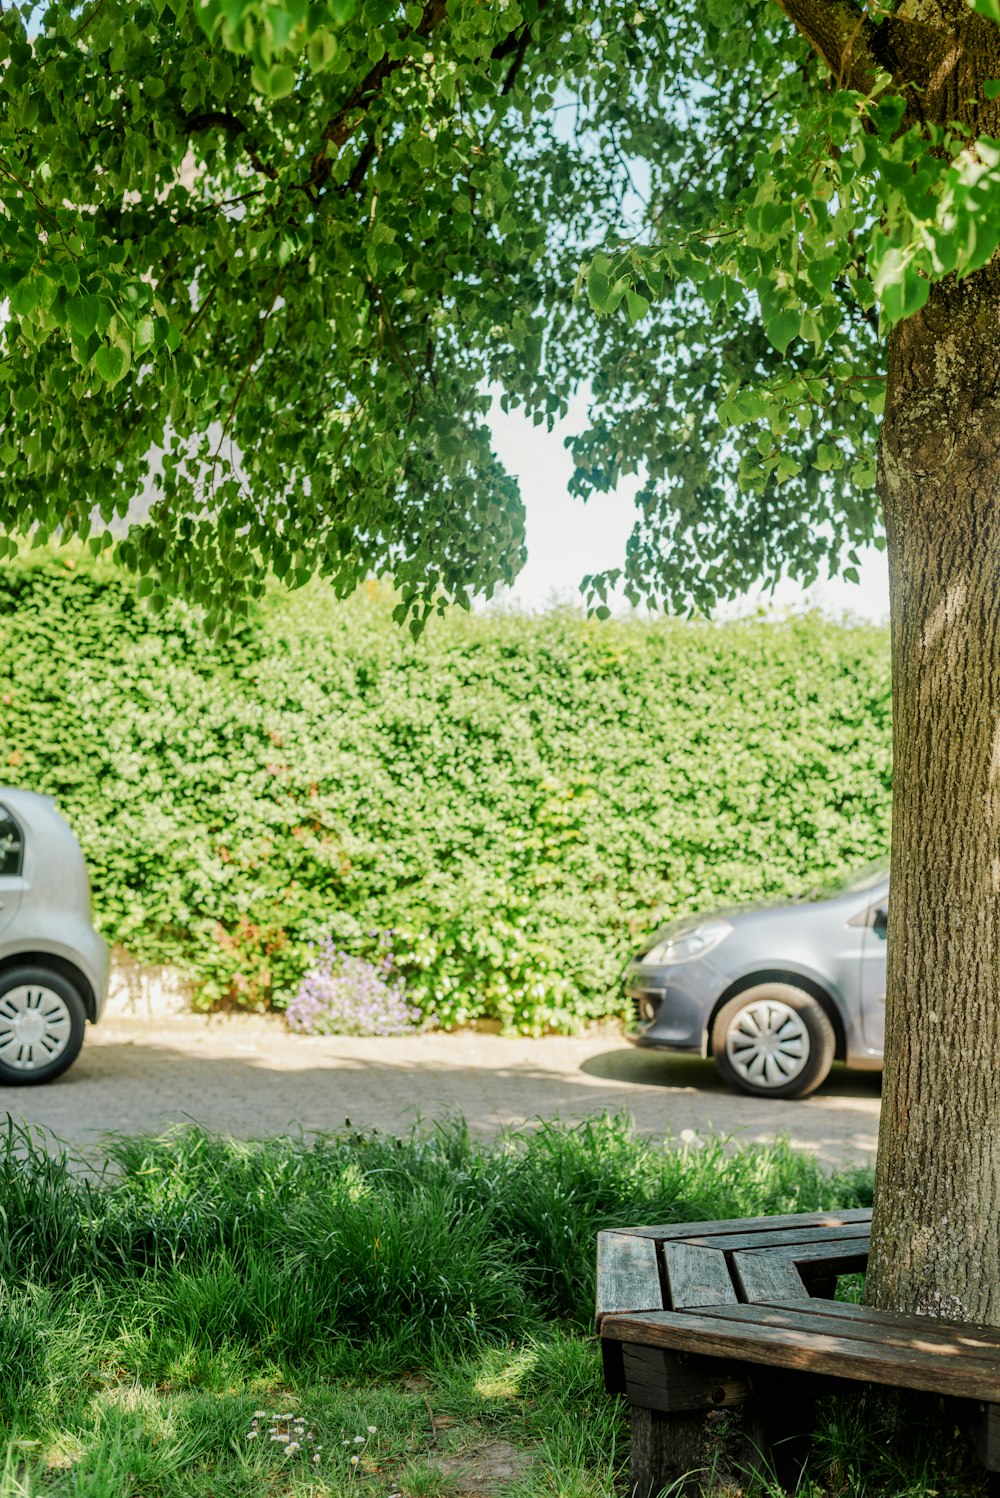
854, 883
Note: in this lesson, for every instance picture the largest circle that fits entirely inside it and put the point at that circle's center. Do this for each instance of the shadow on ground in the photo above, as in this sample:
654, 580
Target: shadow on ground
250, 1078
641, 1068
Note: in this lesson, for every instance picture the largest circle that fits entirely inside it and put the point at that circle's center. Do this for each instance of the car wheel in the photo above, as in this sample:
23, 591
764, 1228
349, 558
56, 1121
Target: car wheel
773, 1040
42, 1020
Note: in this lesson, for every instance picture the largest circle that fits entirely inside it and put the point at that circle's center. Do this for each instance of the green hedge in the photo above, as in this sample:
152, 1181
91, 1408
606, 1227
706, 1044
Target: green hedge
515, 798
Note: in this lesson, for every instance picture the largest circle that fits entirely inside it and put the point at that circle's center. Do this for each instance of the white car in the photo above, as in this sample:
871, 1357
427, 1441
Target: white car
53, 965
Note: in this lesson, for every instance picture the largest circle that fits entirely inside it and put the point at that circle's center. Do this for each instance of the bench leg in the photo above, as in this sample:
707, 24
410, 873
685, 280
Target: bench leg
985, 1432
779, 1426
667, 1452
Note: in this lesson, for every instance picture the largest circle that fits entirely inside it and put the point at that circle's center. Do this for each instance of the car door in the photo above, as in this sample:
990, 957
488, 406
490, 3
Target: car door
11, 867
872, 976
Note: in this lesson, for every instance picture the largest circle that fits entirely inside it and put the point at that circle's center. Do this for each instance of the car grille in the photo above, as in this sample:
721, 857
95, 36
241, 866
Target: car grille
637, 1013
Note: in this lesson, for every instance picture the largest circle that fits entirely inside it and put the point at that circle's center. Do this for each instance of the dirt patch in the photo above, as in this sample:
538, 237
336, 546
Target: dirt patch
478, 1470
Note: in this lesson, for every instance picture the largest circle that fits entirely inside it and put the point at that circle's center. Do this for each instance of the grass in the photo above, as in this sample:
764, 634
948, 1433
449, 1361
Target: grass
435, 1288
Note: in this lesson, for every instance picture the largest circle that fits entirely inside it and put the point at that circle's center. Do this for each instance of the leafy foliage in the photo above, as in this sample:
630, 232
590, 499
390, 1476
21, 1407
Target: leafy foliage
267, 288
517, 799
266, 262
821, 225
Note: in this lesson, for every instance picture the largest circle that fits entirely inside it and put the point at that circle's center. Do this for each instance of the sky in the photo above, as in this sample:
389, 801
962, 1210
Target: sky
568, 539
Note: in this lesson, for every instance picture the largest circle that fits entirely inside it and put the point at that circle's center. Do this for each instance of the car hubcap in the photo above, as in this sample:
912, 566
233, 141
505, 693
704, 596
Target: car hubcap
35, 1027
768, 1043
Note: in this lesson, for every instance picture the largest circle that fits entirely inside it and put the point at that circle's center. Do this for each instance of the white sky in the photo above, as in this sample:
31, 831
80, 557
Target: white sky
568, 539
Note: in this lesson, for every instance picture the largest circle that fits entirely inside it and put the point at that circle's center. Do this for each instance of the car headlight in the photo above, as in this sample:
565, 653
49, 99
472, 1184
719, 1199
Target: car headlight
687, 945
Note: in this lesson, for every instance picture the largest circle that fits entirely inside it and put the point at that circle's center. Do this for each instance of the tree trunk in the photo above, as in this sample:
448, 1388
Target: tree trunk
936, 1233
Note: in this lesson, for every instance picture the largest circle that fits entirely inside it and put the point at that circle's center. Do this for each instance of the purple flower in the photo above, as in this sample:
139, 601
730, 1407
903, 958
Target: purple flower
345, 995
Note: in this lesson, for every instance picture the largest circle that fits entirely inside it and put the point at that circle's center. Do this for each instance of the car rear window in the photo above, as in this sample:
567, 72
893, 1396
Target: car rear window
11, 843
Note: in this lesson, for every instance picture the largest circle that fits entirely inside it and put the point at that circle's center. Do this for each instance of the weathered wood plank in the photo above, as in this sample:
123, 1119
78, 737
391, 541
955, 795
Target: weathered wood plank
965, 1334
697, 1276
780, 1340
819, 1249
794, 1238
627, 1275
658, 1379
741, 1225
898, 1347
767, 1277
843, 1255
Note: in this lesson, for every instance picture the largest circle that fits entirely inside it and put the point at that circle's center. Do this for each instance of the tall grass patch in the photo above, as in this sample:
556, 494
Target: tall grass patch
418, 1309
295, 1253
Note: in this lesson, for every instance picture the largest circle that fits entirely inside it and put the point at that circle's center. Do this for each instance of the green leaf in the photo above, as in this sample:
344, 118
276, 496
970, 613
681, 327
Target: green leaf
991, 88
828, 457
83, 312
24, 297
276, 82
111, 362
598, 290
782, 327
904, 295
637, 305
321, 49
988, 8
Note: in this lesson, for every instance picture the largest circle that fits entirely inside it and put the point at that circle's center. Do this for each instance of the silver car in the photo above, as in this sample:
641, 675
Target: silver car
774, 993
53, 965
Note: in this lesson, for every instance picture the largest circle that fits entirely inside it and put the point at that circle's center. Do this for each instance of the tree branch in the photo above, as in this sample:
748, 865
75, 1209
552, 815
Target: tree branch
338, 130
221, 119
519, 48
365, 158
843, 36
936, 68
261, 327
342, 126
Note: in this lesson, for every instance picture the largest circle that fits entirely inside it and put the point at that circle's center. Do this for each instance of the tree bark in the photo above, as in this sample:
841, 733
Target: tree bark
936, 1230
936, 1233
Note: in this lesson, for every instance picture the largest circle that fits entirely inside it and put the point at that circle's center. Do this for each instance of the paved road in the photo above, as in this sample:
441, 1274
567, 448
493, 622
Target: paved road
247, 1076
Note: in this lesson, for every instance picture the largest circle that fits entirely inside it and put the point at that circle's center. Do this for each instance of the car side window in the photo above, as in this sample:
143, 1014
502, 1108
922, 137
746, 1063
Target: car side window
11, 844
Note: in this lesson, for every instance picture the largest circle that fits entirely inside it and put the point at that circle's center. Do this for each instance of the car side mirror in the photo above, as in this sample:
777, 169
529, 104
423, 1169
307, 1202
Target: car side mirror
880, 921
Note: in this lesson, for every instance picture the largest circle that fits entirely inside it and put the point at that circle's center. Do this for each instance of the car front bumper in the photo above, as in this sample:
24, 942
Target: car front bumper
671, 1006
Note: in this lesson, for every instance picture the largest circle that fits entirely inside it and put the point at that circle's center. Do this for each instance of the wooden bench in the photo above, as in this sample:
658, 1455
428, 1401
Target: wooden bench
709, 1315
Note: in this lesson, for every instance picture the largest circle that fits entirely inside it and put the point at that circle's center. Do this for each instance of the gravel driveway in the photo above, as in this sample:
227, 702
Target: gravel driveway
248, 1076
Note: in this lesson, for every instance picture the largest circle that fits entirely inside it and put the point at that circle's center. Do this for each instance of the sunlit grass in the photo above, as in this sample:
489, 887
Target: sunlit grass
421, 1304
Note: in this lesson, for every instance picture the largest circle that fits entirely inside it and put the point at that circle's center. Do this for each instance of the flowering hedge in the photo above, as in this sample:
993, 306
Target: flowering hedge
508, 802
345, 995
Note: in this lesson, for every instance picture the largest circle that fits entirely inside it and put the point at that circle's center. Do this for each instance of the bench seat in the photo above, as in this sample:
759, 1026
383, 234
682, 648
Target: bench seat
831, 1338
709, 1315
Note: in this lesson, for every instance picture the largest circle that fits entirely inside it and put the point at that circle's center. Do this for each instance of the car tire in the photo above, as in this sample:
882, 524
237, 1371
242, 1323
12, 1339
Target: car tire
773, 1040
42, 1020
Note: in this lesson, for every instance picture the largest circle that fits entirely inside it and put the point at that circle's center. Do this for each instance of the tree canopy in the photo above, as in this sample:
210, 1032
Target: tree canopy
268, 262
